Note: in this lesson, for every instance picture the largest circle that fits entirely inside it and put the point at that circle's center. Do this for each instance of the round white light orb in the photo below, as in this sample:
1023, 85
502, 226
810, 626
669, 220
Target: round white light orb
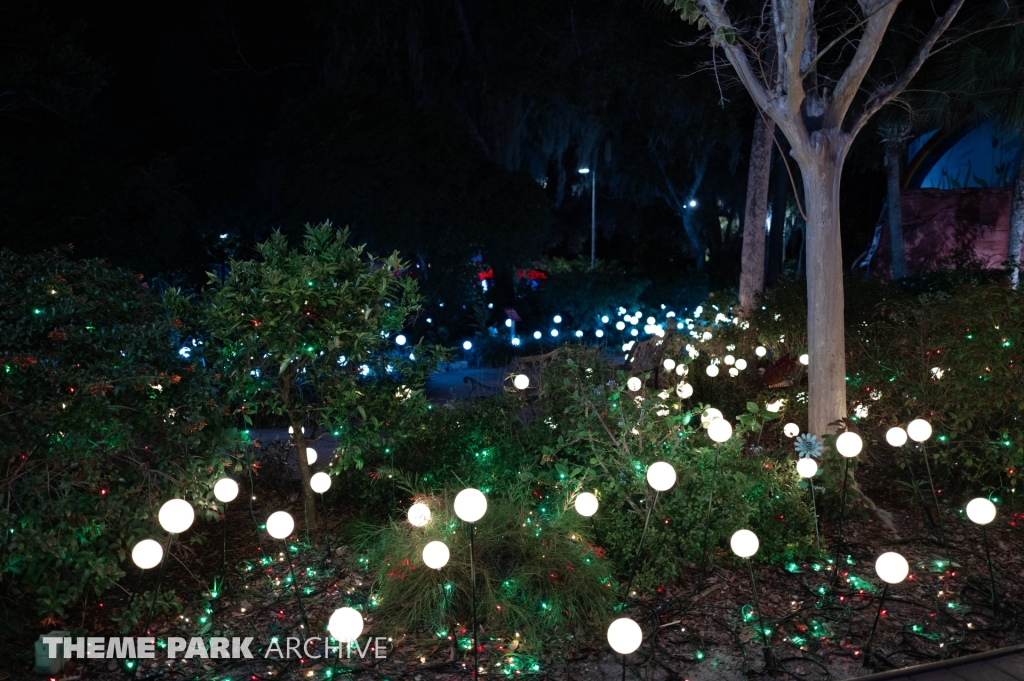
147, 554
419, 514
791, 430
684, 390
719, 430
892, 567
225, 490
280, 524
741, 364
744, 543
470, 505
320, 482
712, 370
729, 359
521, 382
345, 625
537, 335
310, 456
760, 351
557, 319
467, 345
625, 636
669, 364
806, 468
709, 415
805, 359
661, 476
681, 370
400, 340
981, 511
919, 430
176, 516
620, 325
586, 504
436, 555
849, 444
896, 436
634, 384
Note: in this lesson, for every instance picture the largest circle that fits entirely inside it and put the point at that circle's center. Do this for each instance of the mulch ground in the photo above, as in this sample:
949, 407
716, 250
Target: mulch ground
819, 622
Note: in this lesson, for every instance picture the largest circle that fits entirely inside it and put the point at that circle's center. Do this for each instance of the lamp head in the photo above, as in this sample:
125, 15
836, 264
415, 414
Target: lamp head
919, 430
981, 511
661, 476
744, 543
586, 504
436, 555
625, 636
147, 554
719, 430
896, 436
806, 468
320, 482
892, 567
176, 516
280, 524
225, 490
849, 444
419, 514
345, 625
470, 505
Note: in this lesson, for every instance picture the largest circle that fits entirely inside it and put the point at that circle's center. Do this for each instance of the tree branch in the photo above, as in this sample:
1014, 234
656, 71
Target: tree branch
888, 92
852, 78
719, 21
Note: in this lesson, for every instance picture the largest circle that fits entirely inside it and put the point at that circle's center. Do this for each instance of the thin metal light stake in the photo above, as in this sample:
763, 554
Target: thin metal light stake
472, 578
871, 636
159, 580
814, 508
935, 497
842, 513
295, 583
991, 574
640, 547
770, 661
707, 522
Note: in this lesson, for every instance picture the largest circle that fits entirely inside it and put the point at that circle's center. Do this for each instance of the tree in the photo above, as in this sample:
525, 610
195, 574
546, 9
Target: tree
306, 336
752, 266
810, 99
894, 137
104, 418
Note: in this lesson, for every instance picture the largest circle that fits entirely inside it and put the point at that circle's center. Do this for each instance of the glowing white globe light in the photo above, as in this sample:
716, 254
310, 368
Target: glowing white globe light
147, 554
225, 490
892, 567
806, 468
709, 415
684, 390
599, 333
280, 524
634, 384
729, 359
625, 636
176, 516
521, 382
719, 430
467, 345
345, 625
620, 326
981, 511
669, 364
744, 543
400, 339
661, 476
741, 364
681, 370
310, 456
712, 370
774, 407
919, 430
805, 359
470, 505
734, 372
320, 482
537, 335
849, 444
586, 504
791, 430
419, 514
896, 436
557, 319
554, 332
436, 555
760, 351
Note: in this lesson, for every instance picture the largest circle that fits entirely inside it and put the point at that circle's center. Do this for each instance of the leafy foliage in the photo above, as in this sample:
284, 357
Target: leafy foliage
307, 336
103, 421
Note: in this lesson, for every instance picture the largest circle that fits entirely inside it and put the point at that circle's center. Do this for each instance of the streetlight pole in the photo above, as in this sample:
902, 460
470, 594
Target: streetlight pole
593, 214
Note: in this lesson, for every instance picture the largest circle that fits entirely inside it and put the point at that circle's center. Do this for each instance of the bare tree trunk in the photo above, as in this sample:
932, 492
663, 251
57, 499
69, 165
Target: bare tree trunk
825, 334
752, 259
777, 233
308, 496
1016, 225
893, 158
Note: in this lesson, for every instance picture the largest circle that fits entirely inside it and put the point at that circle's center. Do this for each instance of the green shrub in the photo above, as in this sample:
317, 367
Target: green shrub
103, 421
537, 576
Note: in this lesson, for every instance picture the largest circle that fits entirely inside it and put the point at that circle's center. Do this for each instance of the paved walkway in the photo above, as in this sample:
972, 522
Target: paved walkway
447, 385
1004, 664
